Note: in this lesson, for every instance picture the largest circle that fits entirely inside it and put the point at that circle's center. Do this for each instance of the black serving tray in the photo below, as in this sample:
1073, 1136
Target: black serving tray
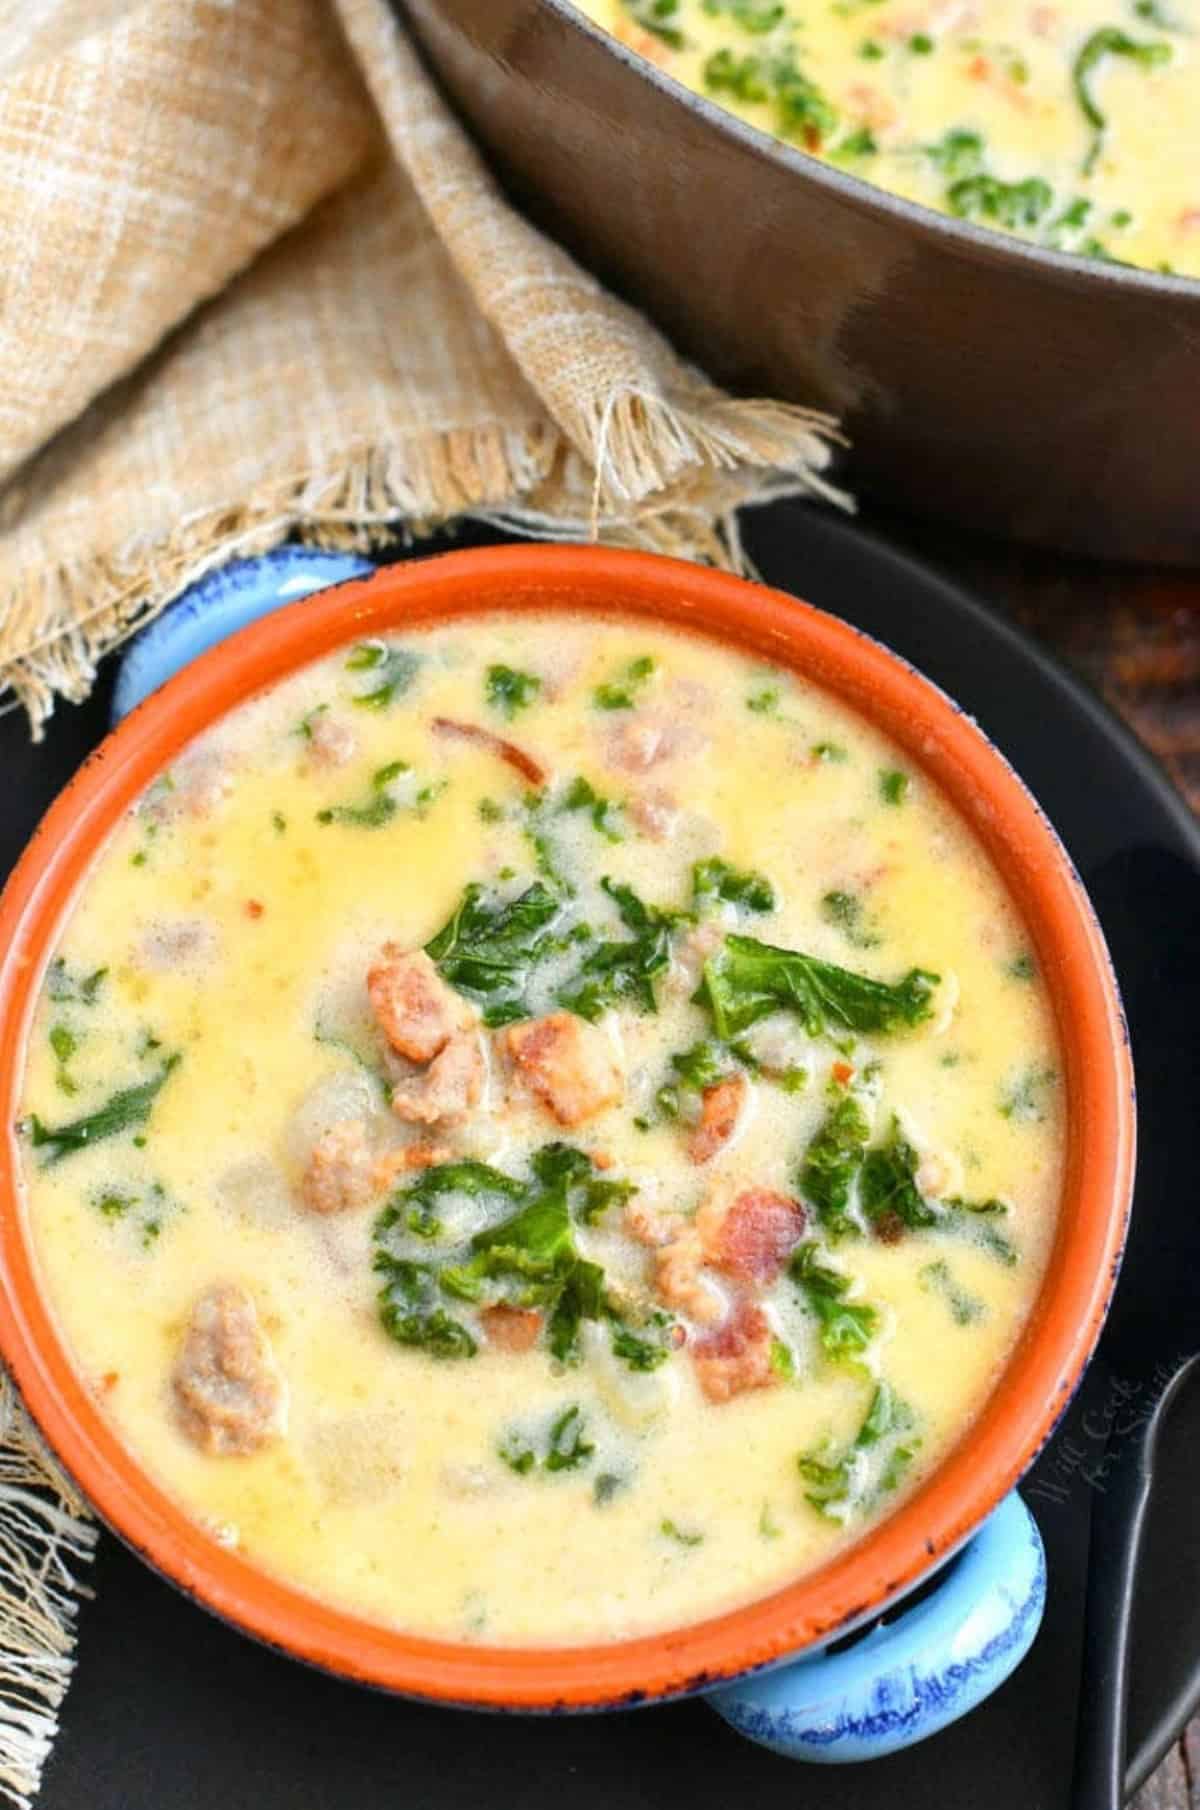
171, 1710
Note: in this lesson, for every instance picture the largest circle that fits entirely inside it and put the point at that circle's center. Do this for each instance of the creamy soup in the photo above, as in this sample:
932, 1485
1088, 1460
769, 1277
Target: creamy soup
1075, 123
541, 1129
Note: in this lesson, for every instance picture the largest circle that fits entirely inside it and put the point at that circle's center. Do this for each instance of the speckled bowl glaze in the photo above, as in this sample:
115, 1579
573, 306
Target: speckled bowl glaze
936, 1658
1017, 390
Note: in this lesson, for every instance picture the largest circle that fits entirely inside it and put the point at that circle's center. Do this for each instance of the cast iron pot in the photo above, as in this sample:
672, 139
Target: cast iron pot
1047, 398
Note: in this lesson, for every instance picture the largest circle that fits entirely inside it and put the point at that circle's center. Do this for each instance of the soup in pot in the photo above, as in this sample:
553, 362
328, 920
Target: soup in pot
541, 1101
1073, 123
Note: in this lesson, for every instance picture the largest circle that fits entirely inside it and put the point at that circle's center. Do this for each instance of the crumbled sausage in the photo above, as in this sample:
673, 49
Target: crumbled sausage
655, 812
646, 739
736, 1357
754, 1236
448, 1088
679, 1282
229, 1395
332, 741
416, 1010
511, 1328
402, 1161
567, 1063
720, 1108
650, 1225
341, 1172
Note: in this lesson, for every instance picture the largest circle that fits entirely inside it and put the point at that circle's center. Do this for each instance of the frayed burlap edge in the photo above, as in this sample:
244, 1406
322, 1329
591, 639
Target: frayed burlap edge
46, 1538
669, 477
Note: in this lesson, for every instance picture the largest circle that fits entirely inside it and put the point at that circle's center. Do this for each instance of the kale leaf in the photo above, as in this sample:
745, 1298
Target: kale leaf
489, 948
1108, 41
888, 1187
125, 1110
392, 670
847, 1327
68, 984
714, 882
409, 1310
623, 972
746, 980
415, 1205
839, 1484
832, 1163
510, 691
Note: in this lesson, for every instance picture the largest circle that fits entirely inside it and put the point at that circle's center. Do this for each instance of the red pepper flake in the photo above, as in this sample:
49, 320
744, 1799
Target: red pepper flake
843, 1073
109, 1381
254, 908
979, 69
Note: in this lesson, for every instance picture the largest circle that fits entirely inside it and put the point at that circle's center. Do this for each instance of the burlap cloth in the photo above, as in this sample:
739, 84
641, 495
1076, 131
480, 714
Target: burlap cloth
257, 279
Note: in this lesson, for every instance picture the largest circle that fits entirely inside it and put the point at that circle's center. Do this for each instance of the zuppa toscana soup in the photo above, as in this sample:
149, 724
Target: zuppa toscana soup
541, 1129
1074, 123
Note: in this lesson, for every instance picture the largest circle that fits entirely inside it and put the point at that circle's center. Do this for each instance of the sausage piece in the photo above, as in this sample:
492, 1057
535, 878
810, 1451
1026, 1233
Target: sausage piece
737, 1356
449, 1088
229, 1395
567, 1063
417, 1012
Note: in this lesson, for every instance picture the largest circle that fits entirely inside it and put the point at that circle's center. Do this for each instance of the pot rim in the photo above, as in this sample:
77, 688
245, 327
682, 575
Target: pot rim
1050, 1355
991, 245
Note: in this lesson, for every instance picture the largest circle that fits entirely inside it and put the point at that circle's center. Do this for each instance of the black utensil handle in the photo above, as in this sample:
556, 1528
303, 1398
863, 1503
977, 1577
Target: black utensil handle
1118, 1522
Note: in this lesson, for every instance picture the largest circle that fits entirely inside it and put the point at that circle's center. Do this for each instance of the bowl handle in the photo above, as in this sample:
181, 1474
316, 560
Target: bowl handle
918, 1668
218, 604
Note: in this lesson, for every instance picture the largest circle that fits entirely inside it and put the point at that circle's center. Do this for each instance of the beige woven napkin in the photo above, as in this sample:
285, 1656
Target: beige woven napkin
256, 278
253, 279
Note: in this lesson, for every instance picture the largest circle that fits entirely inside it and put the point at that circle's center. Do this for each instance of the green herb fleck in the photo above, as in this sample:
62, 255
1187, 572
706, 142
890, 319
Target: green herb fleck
715, 882
844, 910
1021, 967
621, 693
510, 691
67, 984
1024, 1099
842, 1484
568, 1446
681, 1536
829, 753
580, 795
392, 671
1108, 41
893, 785
937, 1278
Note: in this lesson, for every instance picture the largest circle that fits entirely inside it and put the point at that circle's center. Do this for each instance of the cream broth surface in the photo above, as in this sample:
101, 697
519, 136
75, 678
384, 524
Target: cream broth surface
728, 1373
1074, 123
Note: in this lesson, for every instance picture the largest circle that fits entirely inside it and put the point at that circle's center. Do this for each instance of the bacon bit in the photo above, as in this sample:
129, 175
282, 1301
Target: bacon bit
517, 758
843, 1073
417, 1012
254, 908
889, 1228
812, 138
979, 69
737, 1356
567, 1063
601, 1159
755, 1235
511, 1328
449, 1088
720, 1109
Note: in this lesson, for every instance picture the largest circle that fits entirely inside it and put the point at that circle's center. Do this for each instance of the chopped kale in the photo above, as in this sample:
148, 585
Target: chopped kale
489, 811
392, 671
128, 1108
416, 1205
844, 910
510, 691
768, 1526
957, 153
754, 16
490, 948
855, 146
832, 1164
1109, 41
888, 1188
893, 785
380, 804
580, 795
840, 1484
1021, 967
847, 1327
1024, 1099
829, 753
699, 1067
744, 77
715, 882
747, 980
409, 1310
568, 1446
65, 984
1011, 204
64, 1043
655, 16
937, 1278
765, 702
623, 972
622, 692
606, 1486
682, 1536
516, 1454
647, 1347
801, 110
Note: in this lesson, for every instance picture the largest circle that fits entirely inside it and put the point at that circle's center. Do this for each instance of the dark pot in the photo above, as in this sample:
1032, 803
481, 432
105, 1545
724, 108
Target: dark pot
1018, 390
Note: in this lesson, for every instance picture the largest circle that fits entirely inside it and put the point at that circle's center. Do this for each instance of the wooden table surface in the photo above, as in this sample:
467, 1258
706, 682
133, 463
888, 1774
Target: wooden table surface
1135, 636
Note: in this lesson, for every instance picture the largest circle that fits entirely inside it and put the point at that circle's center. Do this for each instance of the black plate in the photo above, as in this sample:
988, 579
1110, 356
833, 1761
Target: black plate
170, 1709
